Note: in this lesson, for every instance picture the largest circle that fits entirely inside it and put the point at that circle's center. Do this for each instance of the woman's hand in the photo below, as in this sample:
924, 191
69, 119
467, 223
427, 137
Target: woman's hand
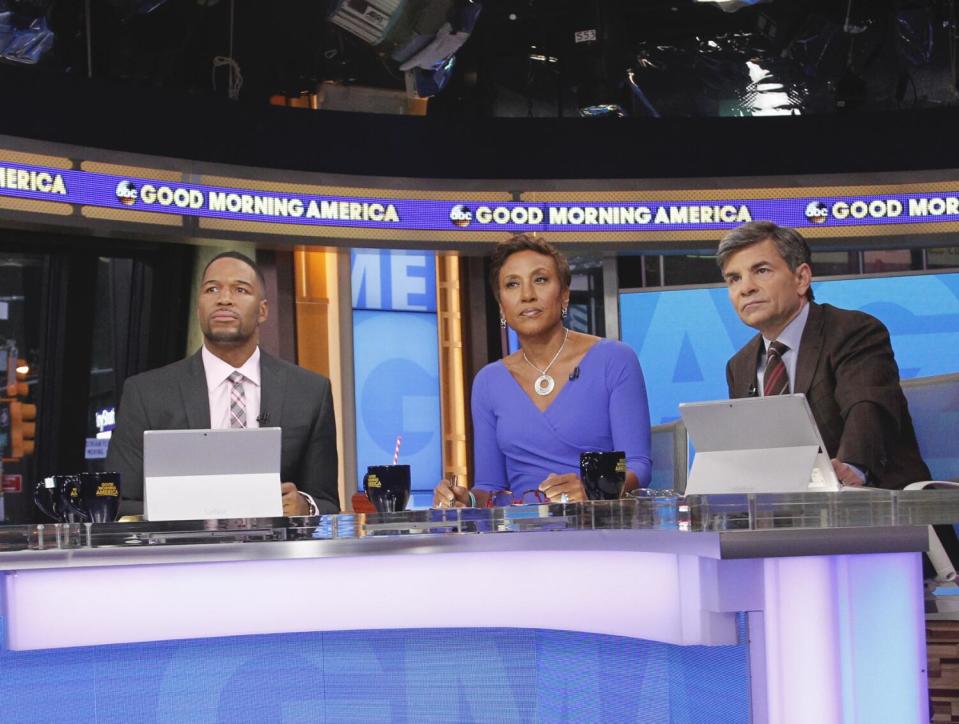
450, 496
555, 486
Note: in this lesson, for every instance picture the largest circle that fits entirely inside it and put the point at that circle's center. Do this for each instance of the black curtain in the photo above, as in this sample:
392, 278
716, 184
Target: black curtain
149, 298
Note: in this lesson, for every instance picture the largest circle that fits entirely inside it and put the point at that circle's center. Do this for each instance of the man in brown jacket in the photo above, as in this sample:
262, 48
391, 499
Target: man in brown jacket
841, 360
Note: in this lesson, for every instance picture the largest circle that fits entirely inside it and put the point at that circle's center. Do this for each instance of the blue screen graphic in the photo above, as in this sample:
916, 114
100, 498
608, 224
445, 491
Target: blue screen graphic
393, 280
396, 362
397, 393
684, 337
456, 675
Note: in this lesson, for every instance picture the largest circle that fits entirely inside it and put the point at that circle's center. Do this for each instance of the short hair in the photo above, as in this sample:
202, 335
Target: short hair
230, 254
790, 244
526, 242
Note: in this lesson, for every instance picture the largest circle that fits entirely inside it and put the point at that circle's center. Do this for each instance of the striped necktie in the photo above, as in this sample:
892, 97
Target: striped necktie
237, 400
775, 378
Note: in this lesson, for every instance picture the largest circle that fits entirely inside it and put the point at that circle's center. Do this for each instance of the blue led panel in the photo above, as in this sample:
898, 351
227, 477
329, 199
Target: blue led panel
684, 337
393, 279
396, 363
921, 313
456, 675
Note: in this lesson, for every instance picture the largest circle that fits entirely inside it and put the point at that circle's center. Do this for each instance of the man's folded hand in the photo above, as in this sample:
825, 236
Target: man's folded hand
293, 502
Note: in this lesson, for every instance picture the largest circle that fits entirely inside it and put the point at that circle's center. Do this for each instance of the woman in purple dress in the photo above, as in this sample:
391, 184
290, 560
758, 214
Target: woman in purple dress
560, 394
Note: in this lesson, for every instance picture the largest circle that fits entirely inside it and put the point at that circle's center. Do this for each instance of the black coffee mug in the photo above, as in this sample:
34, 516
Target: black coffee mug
388, 487
52, 495
95, 497
603, 474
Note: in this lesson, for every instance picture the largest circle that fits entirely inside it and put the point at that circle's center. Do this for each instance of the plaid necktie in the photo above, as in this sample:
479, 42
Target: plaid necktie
237, 400
775, 378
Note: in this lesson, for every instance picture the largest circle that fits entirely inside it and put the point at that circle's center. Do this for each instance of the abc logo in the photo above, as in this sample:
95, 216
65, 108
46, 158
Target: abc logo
461, 215
817, 212
127, 193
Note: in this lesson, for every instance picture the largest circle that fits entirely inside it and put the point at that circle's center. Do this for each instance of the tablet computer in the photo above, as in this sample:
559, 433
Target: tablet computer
756, 445
201, 474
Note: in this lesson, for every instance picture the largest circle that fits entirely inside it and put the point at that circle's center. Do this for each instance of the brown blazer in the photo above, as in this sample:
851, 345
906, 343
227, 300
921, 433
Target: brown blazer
847, 371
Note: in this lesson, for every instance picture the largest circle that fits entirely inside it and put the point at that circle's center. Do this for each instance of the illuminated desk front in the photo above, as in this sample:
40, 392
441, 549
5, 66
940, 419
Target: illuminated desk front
814, 601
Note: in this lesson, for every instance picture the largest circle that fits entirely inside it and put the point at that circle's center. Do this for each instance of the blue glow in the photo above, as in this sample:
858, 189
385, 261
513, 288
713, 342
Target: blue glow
502, 675
684, 337
393, 279
396, 364
396, 361
921, 312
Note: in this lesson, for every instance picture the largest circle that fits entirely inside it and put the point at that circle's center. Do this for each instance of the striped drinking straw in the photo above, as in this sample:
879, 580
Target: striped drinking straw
396, 450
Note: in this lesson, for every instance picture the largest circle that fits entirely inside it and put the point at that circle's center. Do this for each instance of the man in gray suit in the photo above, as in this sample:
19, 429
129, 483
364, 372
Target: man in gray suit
230, 382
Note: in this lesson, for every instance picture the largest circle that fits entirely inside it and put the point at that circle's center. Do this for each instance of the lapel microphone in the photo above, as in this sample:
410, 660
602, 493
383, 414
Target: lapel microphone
752, 392
263, 418
574, 375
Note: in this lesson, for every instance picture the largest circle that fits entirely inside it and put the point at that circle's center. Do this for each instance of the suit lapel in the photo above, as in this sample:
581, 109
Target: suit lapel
809, 349
272, 390
196, 397
746, 364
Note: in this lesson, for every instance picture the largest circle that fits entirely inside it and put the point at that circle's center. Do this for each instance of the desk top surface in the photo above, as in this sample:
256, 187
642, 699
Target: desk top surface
714, 526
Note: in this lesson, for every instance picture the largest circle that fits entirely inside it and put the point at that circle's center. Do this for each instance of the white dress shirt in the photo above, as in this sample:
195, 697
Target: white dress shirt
218, 387
791, 336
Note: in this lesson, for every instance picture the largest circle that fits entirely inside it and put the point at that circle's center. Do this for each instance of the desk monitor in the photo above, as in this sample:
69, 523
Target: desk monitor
756, 445
201, 474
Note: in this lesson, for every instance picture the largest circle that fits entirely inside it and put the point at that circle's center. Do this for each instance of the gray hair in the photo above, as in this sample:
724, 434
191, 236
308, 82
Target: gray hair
790, 244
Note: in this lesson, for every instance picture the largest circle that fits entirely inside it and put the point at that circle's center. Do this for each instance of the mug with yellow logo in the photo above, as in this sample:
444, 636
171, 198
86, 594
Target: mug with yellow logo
95, 497
388, 487
52, 495
603, 474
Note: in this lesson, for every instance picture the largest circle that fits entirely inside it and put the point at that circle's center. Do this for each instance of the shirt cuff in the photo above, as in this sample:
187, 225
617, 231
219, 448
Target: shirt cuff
858, 472
314, 510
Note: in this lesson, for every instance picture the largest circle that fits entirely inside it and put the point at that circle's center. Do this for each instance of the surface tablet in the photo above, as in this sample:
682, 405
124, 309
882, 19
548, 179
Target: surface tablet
200, 474
756, 445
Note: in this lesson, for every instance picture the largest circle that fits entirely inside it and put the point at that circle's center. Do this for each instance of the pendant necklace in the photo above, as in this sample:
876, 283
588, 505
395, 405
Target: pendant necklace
544, 384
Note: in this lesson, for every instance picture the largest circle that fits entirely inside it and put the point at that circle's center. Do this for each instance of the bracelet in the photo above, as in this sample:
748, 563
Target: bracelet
472, 499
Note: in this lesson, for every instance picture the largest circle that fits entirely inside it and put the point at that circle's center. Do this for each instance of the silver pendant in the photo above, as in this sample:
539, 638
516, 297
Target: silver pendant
543, 385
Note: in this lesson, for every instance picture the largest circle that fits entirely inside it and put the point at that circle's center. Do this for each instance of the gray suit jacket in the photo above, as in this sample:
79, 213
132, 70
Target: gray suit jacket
175, 397
849, 375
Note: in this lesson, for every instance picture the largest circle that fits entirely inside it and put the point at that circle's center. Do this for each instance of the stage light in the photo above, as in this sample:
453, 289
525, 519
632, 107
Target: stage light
25, 35
731, 6
603, 109
421, 36
142, 7
597, 56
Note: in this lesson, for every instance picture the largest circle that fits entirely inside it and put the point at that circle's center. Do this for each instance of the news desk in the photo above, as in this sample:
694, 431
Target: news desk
764, 608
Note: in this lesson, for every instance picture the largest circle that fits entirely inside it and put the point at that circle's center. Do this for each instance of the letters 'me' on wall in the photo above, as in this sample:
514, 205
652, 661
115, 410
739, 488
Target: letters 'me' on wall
396, 361
684, 337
